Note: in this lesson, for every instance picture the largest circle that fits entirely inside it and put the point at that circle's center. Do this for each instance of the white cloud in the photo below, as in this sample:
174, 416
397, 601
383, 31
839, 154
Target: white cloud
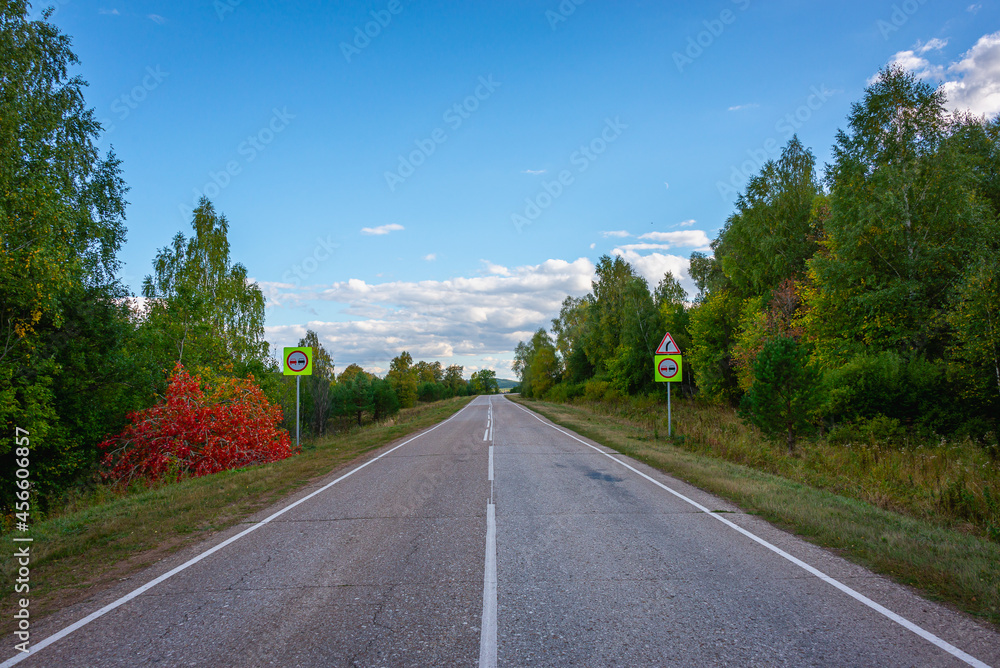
156, 18
686, 223
973, 8
495, 269
110, 12
652, 267
592, 246
615, 233
382, 229
430, 257
933, 45
976, 82
972, 83
433, 320
696, 239
534, 171
741, 107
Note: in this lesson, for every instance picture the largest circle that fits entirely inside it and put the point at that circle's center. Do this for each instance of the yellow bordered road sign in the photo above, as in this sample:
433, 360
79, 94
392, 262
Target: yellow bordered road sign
668, 368
298, 362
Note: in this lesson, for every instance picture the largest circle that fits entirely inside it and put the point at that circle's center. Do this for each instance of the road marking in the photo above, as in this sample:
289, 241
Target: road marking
902, 621
490, 475
488, 633
191, 562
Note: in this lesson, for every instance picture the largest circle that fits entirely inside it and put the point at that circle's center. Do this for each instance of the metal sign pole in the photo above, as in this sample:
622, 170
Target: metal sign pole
298, 382
669, 432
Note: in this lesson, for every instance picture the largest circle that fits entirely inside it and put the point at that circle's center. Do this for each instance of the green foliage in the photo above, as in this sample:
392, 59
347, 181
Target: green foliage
785, 393
385, 403
770, 236
484, 381
904, 219
63, 376
537, 364
713, 327
201, 310
403, 378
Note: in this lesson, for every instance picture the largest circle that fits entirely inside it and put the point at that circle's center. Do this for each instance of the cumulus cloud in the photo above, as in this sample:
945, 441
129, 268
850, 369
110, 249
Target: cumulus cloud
653, 266
976, 82
696, 239
433, 320
972, 83
615, 233
382, 229
430, 257
686, 223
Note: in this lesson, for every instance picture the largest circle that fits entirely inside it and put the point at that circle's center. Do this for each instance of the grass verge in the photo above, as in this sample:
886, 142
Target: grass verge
940, 559
107, 537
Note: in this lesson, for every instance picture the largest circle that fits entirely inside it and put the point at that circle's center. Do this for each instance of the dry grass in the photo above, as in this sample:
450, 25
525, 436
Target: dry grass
918, 515
94, 540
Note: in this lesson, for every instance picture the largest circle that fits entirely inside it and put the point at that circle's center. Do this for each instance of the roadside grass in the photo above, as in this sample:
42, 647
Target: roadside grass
108, 535
886, 509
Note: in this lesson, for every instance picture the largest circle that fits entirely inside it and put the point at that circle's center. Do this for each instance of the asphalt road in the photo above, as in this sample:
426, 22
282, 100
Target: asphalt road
497, 539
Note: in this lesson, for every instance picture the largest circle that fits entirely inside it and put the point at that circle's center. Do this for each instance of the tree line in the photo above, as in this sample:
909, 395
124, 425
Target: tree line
80, 355
870, 295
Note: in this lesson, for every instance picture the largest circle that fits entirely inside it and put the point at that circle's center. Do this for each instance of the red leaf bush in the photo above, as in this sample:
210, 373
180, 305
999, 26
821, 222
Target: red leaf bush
197, 433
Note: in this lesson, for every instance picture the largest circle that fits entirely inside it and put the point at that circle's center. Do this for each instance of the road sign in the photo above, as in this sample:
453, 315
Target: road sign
667, 346
668, 368
298, 362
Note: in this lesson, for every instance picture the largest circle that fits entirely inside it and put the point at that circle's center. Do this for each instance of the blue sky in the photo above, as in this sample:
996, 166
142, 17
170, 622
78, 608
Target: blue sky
415, 175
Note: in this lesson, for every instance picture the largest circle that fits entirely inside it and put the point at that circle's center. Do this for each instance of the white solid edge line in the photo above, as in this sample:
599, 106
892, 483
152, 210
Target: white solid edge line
490, 474
902, 621
152, 583
488, 632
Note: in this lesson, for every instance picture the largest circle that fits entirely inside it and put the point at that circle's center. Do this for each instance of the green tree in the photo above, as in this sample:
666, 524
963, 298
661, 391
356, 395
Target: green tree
385, 403
484, 381
785, 392
355, 397
63, 321
454, 380
403, 378
713, 329
201, 308
317, 402
905, 217
568, 329
771, 235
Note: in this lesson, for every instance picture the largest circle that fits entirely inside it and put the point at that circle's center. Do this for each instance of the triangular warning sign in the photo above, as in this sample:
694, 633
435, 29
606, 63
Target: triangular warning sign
667, 346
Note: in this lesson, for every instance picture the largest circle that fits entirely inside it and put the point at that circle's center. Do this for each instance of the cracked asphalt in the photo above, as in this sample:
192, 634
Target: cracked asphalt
596, 566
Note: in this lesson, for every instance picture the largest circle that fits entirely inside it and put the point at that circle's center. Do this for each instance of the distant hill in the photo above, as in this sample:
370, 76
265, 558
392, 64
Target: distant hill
505, 384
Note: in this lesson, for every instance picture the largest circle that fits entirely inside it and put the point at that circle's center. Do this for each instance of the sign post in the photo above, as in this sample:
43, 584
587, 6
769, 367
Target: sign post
668, 367
298, 363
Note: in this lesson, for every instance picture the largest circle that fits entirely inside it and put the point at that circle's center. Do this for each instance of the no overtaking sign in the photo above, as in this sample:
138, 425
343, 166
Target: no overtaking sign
298, 362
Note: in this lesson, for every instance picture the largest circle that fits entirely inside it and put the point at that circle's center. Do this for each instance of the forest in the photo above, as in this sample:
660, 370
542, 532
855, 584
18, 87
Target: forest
862, 301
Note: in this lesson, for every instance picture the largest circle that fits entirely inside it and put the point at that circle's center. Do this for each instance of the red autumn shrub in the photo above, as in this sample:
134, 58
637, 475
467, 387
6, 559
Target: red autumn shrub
194, 433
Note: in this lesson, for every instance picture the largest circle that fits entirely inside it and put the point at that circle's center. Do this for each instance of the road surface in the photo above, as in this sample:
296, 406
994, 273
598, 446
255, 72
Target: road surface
496, 538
